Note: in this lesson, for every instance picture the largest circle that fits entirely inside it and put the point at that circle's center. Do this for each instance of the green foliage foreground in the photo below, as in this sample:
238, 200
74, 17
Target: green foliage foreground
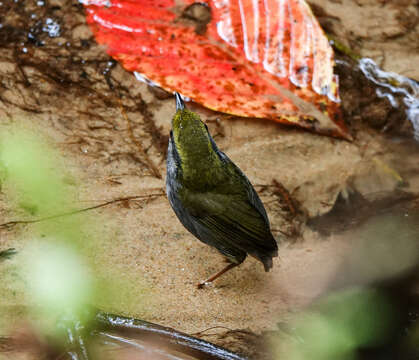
59, 281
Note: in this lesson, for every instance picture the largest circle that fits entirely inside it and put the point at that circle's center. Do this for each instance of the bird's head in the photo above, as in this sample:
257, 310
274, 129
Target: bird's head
190, 134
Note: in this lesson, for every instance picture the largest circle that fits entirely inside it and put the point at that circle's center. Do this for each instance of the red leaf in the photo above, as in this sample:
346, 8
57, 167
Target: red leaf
255, 58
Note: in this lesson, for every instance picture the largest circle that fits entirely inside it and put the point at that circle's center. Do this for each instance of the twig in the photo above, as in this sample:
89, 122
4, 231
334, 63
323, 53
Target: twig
282, 232
204, 333
210, 328
10, 224
284, 195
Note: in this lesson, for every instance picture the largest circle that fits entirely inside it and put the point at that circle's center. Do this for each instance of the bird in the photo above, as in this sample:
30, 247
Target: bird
212, 197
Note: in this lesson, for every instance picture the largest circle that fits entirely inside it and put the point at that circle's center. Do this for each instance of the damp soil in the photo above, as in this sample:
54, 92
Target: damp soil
113, 131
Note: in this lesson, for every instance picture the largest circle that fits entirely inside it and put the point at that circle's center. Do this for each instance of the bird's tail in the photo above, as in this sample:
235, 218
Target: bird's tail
267, 259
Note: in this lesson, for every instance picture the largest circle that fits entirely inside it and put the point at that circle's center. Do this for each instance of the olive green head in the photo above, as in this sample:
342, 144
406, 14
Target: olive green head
190, 134
192, 142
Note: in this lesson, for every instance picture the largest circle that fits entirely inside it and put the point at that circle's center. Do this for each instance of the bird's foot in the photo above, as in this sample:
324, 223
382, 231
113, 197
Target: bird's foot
215, 276
203, 284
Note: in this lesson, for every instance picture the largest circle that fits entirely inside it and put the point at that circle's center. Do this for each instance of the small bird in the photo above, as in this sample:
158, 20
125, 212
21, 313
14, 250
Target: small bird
212, 197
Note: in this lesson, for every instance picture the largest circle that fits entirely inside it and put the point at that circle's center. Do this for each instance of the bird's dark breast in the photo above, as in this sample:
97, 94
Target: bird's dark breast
174, 187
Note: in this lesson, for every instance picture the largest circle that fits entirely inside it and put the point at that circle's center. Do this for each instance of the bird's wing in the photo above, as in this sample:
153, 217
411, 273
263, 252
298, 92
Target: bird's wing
233, 222
246, 187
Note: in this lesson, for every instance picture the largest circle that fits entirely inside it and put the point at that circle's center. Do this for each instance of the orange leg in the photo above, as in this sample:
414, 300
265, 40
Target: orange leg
217, 275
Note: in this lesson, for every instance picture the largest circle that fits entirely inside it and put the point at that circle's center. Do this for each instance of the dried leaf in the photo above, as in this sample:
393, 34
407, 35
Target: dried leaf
264, 59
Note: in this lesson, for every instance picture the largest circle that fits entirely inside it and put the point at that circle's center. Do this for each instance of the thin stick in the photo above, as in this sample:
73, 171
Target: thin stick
9, 224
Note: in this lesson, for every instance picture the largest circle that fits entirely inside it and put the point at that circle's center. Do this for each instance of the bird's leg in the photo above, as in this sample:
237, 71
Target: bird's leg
217, 275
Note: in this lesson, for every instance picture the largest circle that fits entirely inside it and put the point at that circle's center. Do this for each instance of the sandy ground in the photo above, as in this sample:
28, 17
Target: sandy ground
149, 260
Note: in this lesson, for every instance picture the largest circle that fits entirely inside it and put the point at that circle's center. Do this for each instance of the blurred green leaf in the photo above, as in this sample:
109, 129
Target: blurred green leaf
60, 282
337, 326
31, 170
58, 278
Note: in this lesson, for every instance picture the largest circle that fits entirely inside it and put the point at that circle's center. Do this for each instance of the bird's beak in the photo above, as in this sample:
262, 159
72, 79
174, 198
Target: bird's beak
180, 105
